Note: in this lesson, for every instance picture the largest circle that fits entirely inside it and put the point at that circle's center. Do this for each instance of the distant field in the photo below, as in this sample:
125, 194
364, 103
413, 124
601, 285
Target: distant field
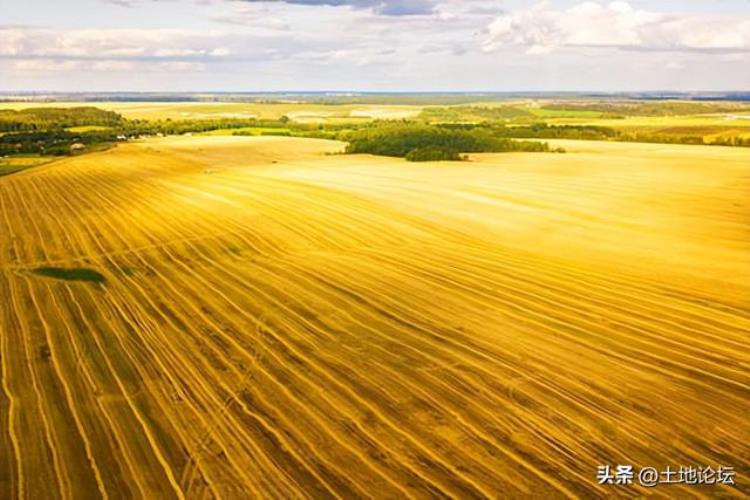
563, 113
726, 120
253, 317
707, 127
87, 128
302, 112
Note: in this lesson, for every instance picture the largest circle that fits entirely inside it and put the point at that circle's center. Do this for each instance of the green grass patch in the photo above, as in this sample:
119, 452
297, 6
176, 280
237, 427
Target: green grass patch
128, 271
10, 169
13, 164
71, 274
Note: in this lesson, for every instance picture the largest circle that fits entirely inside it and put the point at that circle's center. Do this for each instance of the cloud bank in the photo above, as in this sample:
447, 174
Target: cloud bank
377, 45
542, 29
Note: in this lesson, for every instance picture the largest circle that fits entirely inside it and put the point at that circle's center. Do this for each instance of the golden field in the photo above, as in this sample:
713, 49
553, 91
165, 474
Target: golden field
281, 322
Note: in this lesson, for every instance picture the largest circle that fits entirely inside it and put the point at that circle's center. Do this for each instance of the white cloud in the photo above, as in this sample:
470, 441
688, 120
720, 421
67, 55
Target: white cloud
542, 28
47, 66
107, 44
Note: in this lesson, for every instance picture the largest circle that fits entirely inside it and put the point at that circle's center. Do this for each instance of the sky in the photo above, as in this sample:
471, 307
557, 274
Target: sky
374, 45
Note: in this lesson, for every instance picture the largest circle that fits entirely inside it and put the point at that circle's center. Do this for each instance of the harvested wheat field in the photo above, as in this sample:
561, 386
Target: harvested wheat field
250, 317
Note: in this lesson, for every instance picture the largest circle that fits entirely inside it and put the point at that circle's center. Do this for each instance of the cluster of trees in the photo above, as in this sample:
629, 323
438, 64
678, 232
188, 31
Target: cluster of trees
177, 127
56, 118
46, 131
598, 133
434, 153
661, 138
430, 142
650, 108
731, 141
56, 142
656, 137
544, 131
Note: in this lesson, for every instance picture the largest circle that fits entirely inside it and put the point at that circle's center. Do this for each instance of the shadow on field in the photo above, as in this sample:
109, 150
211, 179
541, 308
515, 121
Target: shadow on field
71, 274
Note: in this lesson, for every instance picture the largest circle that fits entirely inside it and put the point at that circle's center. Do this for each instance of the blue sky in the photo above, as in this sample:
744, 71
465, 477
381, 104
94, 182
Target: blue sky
430, 45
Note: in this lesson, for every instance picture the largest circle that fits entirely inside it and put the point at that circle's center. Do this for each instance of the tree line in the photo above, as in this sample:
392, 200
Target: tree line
56, 118
650, 108
47, 131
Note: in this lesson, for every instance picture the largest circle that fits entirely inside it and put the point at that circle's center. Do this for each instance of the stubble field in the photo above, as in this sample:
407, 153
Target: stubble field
274, 321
